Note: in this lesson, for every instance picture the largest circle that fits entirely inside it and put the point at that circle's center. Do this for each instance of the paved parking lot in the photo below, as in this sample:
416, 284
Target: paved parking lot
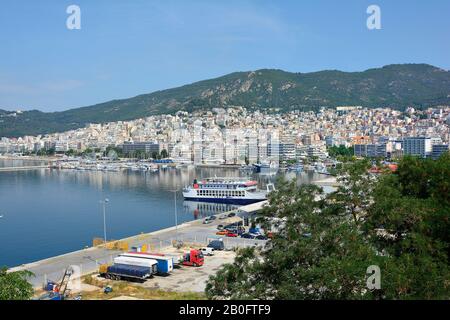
191, 279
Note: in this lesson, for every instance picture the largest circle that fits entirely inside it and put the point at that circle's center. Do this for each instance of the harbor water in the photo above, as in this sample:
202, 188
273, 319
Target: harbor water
48, 212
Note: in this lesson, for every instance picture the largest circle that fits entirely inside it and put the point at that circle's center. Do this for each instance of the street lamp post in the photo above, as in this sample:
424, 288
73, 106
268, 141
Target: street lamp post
104, 202
176, 214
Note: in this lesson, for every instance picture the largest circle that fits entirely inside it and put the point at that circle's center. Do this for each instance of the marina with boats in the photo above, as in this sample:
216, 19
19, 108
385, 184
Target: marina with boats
156, 165
66, 192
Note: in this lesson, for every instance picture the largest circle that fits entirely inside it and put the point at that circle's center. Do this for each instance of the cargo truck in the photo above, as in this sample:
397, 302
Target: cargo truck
125, 272
193, 258
164, 264
133, 261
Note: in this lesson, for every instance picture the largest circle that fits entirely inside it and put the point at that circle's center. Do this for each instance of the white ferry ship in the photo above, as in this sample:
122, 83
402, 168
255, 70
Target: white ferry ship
226, 190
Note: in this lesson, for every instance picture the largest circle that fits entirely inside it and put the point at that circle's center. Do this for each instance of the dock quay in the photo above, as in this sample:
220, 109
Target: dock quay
327, 182
25, 168
87, 260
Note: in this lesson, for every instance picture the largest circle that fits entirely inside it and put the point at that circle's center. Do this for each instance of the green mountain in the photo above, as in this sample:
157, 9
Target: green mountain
396, 86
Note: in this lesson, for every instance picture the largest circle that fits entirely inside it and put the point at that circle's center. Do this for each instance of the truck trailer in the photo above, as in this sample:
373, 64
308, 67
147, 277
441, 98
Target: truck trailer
125, 272
164, 264
149, 263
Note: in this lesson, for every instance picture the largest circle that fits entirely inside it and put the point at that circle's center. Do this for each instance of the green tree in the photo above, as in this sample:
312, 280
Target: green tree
164, 154
323, 244
341, 150
112, 150
155, 155
51, 152
71, 152
14, 285
140, 154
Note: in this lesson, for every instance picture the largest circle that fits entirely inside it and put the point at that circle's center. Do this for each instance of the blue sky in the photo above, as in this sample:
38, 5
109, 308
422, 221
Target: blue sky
126, 48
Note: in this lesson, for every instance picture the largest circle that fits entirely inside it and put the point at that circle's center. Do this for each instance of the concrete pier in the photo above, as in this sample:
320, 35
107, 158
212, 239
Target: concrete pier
9, 169
88, 260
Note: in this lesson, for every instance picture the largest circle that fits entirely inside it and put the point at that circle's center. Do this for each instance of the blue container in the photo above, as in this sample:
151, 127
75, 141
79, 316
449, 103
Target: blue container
49, 286
163, 266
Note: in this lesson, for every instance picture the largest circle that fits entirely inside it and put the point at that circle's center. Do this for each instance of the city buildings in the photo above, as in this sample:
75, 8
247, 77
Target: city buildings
235, 135
417, 146
147, 147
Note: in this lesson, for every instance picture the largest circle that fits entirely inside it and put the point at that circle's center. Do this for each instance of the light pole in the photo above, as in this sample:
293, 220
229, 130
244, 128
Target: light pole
104, 202
176, 215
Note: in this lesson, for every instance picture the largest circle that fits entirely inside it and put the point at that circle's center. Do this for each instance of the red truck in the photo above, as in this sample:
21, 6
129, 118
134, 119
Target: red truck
193, 258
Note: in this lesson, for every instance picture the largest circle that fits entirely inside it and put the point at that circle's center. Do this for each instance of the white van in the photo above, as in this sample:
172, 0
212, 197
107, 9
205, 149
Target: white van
207, 251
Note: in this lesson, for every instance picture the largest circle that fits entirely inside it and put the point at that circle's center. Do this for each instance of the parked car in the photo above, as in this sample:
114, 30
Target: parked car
231, 234
234, 229
206, 221
222, 232
254, 230
220, 227
212, 218
247, 236
231, 214
223, 216
216, 245
207, 251
261, 237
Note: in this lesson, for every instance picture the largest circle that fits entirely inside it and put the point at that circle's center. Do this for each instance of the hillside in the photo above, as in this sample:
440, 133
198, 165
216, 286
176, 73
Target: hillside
396, 86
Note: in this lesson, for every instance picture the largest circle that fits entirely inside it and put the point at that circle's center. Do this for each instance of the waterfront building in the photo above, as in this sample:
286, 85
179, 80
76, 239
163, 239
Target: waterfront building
370, 150
438, 150
147, 147
417, 146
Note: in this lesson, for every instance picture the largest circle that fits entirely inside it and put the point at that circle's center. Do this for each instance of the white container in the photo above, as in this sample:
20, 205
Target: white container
135, 261
145, 256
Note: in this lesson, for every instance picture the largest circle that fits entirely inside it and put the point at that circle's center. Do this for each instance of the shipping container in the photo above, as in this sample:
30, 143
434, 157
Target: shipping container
134, 261
165, 264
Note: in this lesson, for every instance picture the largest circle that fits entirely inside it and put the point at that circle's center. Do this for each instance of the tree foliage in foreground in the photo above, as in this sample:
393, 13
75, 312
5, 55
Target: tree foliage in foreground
14, 285
323, 244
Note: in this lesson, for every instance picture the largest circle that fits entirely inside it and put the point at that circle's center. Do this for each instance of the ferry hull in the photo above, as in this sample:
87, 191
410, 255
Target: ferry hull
225, 200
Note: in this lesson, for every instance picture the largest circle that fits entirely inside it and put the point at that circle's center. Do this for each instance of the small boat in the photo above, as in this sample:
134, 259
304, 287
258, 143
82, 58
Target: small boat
297, 168
321, 168
265, 168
